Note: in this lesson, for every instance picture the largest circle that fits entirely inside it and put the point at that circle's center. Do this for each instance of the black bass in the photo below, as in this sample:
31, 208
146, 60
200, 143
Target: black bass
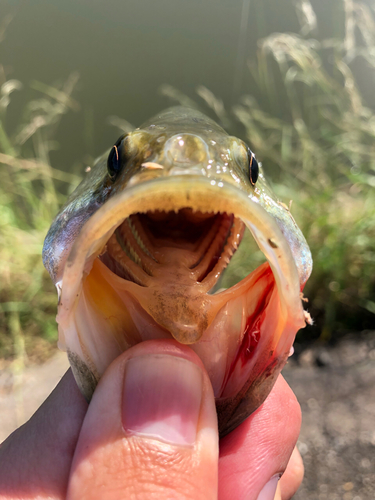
140, 245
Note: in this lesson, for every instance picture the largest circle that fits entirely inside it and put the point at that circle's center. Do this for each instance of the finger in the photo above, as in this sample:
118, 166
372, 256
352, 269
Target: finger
35, 460
254, 456
150, 430
292, 478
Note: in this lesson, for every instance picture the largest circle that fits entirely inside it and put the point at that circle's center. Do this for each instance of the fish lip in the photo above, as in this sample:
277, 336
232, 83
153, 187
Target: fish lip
174, 193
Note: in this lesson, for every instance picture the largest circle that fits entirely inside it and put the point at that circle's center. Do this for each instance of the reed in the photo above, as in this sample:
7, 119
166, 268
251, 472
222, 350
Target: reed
30, 193
311, 125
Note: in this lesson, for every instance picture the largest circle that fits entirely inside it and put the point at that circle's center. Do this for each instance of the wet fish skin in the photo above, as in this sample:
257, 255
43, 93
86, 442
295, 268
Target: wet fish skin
180, 151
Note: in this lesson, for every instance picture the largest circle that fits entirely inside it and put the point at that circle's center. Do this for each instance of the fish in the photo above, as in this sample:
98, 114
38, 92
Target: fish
139, 249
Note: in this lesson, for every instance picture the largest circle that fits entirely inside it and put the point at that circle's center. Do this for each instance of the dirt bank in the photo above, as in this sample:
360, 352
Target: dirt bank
336, 389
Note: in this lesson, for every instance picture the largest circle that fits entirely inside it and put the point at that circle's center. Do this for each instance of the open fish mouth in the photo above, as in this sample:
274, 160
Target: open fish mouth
145, 266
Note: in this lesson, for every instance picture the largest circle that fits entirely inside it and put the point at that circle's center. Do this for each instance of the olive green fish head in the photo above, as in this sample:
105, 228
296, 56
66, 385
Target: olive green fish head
138, 251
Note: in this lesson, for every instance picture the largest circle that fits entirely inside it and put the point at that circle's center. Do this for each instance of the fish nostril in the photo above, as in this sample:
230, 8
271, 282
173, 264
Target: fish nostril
186, 149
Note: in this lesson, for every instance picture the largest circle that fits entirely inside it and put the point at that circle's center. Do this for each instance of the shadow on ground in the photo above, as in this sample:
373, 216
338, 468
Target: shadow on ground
336, 389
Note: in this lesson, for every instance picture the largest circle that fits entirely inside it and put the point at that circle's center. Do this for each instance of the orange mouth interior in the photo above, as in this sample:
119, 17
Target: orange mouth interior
197, 246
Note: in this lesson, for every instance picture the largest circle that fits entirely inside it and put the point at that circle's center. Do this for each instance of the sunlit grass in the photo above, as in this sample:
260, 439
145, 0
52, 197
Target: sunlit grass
29, 198
323, 147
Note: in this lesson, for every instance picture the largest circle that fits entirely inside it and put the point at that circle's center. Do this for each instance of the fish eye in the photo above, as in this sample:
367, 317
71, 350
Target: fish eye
115, 160
253, 167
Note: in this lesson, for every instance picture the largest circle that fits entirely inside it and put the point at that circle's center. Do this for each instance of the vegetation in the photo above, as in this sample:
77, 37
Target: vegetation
306, 119
29, 196
319, 133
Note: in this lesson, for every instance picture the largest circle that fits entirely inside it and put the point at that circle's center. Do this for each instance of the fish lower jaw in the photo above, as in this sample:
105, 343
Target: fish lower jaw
246, 342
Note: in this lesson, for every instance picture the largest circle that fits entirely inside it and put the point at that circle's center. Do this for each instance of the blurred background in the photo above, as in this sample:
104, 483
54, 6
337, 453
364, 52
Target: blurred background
296, 80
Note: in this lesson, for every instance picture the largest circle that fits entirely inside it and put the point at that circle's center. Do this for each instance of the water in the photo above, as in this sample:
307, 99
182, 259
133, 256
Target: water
124, 52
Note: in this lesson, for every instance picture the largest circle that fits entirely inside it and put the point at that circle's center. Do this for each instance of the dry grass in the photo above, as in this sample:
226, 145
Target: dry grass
28, 198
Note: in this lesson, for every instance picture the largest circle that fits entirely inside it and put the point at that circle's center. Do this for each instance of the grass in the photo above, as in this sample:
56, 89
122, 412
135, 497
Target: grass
305, 118
321, 144
29, 194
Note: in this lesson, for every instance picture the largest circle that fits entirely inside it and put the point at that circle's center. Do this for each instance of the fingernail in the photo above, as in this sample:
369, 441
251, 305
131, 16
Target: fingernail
162, 398
269, 490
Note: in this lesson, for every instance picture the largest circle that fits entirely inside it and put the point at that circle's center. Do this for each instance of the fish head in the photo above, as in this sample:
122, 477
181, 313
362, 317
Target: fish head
138, 251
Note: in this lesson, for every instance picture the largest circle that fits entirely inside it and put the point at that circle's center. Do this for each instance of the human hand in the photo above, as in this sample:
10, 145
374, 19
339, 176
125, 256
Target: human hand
150, 431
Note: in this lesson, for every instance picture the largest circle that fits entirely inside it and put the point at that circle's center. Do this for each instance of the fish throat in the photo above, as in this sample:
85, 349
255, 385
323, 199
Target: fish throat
181, 256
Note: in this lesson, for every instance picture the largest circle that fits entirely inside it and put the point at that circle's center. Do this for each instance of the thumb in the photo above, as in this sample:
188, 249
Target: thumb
150, 430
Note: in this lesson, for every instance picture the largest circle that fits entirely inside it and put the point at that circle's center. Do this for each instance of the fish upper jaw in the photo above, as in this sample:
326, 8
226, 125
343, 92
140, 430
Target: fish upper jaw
172, 194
